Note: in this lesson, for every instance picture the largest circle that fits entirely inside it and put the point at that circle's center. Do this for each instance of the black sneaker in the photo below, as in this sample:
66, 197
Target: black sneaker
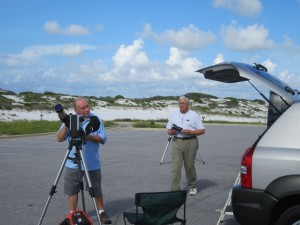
104, 218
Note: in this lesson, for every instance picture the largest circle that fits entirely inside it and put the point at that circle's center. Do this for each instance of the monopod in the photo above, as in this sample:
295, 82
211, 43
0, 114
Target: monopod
169, 140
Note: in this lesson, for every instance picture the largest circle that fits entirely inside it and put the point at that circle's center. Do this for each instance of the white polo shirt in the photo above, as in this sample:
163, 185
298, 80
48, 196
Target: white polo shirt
190, 120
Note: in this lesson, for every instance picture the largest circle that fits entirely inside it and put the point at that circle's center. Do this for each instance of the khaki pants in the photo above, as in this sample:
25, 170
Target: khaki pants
184, 151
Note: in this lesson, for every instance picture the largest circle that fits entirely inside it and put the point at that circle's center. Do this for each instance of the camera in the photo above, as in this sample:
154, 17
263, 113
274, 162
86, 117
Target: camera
74, 122
175, 127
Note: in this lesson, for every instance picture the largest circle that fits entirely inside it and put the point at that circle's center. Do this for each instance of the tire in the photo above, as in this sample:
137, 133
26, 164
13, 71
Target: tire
290, 217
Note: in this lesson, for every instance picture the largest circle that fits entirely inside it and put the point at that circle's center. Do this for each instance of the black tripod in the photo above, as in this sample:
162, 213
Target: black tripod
79, 157
169, 140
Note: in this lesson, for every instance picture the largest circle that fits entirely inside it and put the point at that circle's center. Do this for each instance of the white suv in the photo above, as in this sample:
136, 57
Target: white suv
269, 191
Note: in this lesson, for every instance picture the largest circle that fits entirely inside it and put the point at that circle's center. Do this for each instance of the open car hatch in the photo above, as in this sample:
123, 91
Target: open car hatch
232, 72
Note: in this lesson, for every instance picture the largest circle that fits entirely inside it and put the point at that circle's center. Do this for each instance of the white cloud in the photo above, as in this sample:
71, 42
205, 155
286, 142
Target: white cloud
253, 37
71, 50
175, 57
290, 78
54, 28
32, 53
243, 7
219, 58
289, 47
181, 59
180, 63
129, 73
188, 38
288, 42
38, 51
131, 55
10, 61
269, 65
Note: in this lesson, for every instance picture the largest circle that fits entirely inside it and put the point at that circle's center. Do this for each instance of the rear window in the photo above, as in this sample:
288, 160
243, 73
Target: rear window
277, 109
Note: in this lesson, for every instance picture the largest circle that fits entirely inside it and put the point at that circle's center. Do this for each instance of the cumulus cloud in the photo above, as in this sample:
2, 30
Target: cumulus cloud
253, 37
290, 78
131, 55
269, 65
219, 58
188, 38
131, 72
131, 62
181, 64
53, 27
175, 57
242, 7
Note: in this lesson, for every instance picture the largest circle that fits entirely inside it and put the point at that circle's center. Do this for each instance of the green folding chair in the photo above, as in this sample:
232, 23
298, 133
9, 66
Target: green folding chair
158, 208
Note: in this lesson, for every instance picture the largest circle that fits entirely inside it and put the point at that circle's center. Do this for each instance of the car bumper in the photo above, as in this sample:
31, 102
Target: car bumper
251, 206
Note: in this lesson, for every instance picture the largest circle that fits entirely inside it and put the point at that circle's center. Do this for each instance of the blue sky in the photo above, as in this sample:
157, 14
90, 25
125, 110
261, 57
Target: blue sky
140, 48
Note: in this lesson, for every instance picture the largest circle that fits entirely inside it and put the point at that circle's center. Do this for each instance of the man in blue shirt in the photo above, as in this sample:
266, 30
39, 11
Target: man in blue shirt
90, 149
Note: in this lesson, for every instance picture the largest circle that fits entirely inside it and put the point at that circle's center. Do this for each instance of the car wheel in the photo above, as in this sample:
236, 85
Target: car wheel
290, 217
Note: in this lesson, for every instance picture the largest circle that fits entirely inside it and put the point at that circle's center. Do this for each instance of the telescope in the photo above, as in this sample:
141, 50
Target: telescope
74, 122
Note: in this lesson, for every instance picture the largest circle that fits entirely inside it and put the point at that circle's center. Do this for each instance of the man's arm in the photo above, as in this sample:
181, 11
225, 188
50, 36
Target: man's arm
62, 133
98, 136
193, 132
94, 138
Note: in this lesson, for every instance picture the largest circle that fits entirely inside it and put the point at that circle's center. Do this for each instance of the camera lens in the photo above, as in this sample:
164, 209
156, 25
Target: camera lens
59, 108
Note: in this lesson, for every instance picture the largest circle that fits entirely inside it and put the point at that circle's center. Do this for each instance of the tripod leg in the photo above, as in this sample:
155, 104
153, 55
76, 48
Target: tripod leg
91, 191
169, 140
53, 188
81, 186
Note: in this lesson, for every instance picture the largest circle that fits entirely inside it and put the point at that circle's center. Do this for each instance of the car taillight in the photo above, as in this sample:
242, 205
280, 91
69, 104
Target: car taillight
246, 168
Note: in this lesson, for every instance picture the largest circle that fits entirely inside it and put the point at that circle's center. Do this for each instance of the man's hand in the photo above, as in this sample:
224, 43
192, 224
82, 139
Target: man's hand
93, 125
171, 132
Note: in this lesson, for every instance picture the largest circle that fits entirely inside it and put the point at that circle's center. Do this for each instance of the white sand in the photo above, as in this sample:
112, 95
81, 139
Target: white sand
112, 113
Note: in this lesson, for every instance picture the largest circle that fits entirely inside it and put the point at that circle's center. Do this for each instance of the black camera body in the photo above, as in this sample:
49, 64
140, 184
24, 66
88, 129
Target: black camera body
76, 126
175, 127
74, 122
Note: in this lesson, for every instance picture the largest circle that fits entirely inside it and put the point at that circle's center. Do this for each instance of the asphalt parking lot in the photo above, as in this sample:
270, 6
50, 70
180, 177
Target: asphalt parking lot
130, 164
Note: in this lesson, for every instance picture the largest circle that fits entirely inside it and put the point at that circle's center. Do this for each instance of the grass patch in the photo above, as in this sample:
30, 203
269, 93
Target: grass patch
147, 124
20, 127
28, 127
230, 122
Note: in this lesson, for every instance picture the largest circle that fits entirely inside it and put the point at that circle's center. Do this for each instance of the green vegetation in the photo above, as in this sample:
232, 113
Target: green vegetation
5, 103
197, 97
47, 100
232, 103
230, 122
148, 124
19, 127
28, 127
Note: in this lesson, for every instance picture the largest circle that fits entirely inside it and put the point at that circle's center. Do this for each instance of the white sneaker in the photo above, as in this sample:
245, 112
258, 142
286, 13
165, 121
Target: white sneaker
193, 191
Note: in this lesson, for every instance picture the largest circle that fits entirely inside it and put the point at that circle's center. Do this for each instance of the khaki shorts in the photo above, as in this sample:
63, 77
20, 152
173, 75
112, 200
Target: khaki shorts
72, 181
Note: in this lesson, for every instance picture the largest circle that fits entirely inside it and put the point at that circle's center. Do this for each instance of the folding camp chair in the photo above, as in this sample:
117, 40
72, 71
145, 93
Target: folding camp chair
158, 208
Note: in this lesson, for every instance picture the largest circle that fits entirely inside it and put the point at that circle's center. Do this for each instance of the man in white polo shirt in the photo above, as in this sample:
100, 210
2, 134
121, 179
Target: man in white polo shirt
185, 124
